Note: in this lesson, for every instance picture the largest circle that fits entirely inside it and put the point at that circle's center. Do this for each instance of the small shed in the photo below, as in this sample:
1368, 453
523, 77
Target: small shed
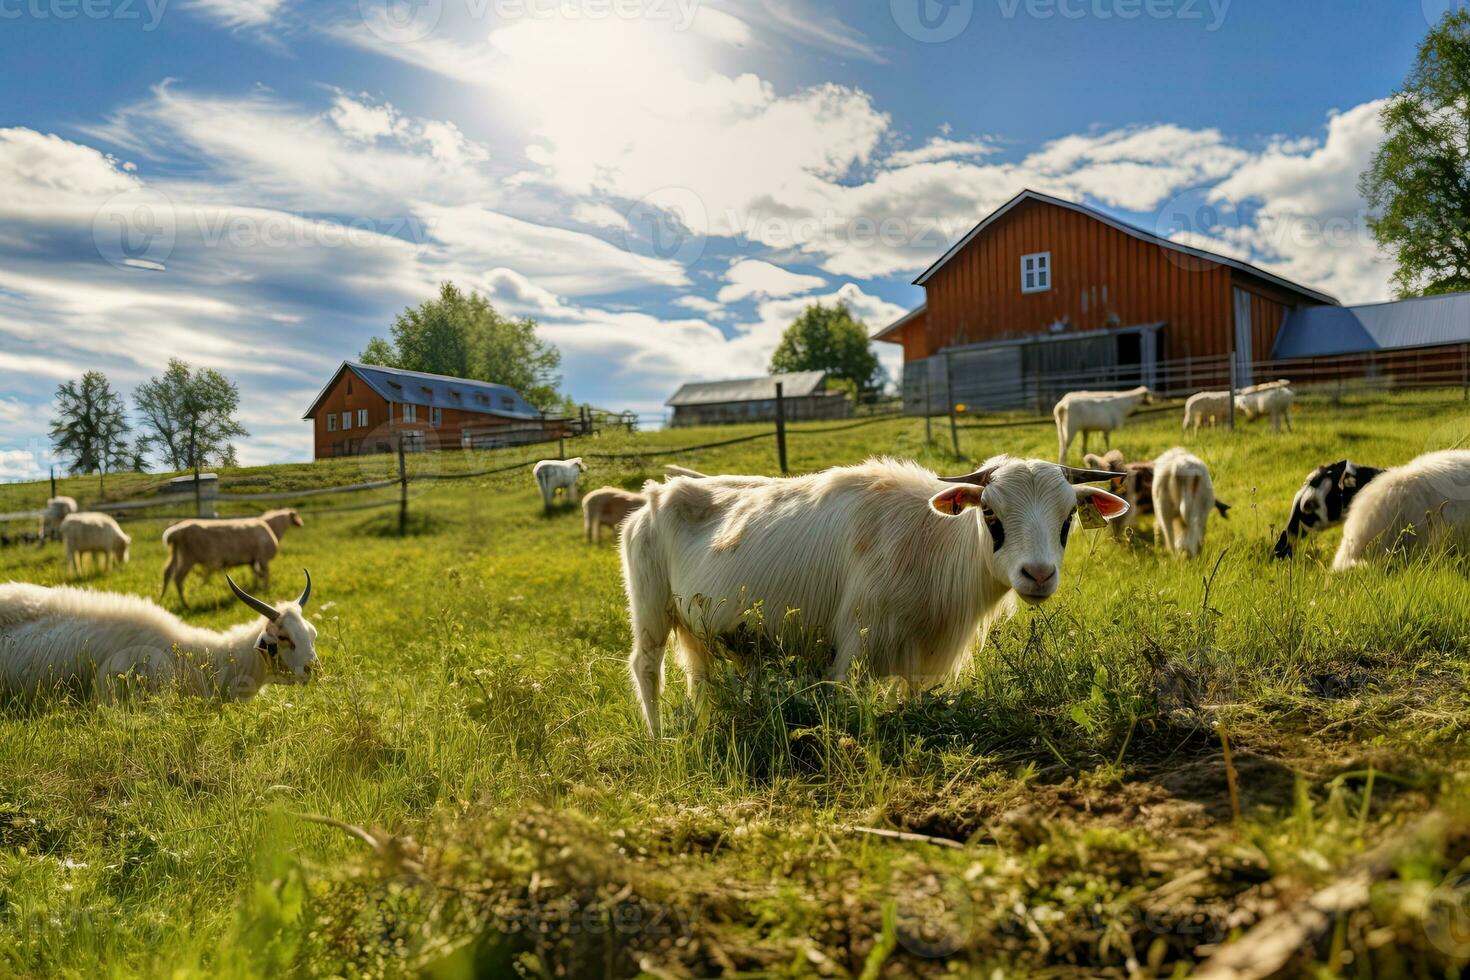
804, 395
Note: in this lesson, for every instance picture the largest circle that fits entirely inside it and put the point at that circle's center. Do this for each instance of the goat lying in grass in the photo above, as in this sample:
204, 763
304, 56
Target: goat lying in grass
96, 644
1417, 507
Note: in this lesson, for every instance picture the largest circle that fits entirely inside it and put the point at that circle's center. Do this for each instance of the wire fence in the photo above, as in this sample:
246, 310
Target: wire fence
1335, 378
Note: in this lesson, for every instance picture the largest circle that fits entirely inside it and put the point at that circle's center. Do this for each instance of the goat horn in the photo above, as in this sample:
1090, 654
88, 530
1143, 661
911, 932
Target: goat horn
306, 592
979, 478
1075, 475
267, 610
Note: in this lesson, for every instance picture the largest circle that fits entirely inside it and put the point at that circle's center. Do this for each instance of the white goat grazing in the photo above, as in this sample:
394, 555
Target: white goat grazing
282, 519
1265, 386
1184, 495
607, 507
558, 474
885, 561
90, 533
1094, 411
1206, 406
216, 545
1273, 400
76, 642
1422, 505
53, 514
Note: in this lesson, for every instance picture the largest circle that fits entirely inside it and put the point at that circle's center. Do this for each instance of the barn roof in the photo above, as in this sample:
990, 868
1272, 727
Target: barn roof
794, 385
902, 322
1127, 229
433, 391
1425, 321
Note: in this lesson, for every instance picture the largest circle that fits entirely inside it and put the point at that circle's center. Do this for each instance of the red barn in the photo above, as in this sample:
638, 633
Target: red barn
1045, 295
365, 408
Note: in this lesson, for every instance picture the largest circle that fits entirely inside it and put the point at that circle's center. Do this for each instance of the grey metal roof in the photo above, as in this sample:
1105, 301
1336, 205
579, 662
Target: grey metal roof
1127, 229
1421, 322
794, 385
434, 391
902, 321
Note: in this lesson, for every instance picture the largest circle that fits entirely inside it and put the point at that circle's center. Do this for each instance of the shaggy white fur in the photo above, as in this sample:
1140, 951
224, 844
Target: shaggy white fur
1422, 505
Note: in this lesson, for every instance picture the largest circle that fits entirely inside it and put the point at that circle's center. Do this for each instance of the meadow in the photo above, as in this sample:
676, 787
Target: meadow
1123, 780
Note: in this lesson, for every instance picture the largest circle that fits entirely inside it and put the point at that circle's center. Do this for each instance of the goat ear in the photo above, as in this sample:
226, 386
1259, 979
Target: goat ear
1097, 507
952, 501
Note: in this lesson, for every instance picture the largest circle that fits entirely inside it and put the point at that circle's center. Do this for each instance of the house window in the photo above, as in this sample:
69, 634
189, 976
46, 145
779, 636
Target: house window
332, 422
1036, 272
507, 401
410, 413
362, 418
346, 420
436, 416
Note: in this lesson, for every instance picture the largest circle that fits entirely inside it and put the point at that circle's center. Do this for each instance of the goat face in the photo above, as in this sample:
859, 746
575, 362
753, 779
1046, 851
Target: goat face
1027, 507
289, 643
1323, 500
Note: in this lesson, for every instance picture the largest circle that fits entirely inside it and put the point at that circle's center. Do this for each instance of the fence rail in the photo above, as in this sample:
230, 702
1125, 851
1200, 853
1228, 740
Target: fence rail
1333, 377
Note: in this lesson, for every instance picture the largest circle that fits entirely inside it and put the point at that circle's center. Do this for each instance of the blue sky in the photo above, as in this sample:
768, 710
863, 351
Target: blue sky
260, 185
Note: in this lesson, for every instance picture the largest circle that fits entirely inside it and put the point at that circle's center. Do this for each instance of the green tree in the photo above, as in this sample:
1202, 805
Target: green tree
464, 336
1418, 185
90, 429
188, 415
828, 338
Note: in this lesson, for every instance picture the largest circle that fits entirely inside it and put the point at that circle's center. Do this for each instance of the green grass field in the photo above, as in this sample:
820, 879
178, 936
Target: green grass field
474, 716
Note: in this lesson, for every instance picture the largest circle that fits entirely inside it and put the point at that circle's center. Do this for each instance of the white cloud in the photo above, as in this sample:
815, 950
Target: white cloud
940, 148
362, 120
708, 307
19, 464
46, 176
600, 215
748, 278
236, 14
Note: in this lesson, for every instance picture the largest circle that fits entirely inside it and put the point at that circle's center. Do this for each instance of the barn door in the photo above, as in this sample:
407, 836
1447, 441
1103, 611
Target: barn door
1242, 338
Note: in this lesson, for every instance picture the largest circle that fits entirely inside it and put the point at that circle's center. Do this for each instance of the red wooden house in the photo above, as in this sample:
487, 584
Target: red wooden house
366, 409
1045, 294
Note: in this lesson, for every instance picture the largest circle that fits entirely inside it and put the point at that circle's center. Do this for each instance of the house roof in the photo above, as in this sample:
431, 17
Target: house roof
902, 322
433, 391
1425, 321
1127, 229
794, 385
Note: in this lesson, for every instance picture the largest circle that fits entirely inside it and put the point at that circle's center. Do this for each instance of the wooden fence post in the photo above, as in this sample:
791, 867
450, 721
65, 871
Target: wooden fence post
928, 408
1233, 369
1464, 372
781, 425
53, 481
954, 430
402, 490
198, 492
561, 443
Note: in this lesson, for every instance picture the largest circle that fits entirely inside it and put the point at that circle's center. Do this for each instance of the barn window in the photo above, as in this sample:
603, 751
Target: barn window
1036, 272
346, 420
410, 413
362, 418
332, 422
436, 416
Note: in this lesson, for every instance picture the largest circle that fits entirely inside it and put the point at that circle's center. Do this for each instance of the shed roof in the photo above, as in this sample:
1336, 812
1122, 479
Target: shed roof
794, 385
1127, 229
1424, 321
903, 321
434, 391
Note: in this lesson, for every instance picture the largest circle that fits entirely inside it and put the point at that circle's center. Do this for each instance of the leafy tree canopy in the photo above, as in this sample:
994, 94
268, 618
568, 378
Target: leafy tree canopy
90, 429
1418, 185
463, 336
829, 338
188, 415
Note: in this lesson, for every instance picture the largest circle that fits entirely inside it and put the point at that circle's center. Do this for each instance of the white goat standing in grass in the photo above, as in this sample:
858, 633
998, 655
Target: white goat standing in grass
1206, 406
1272, 400
1184, 495
53, 514
558, 474
79, 643
91, 533
885, 561
1417, 507
1094, 411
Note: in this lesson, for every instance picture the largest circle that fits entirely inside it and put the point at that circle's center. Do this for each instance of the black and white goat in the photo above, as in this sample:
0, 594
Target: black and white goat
1323, 500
